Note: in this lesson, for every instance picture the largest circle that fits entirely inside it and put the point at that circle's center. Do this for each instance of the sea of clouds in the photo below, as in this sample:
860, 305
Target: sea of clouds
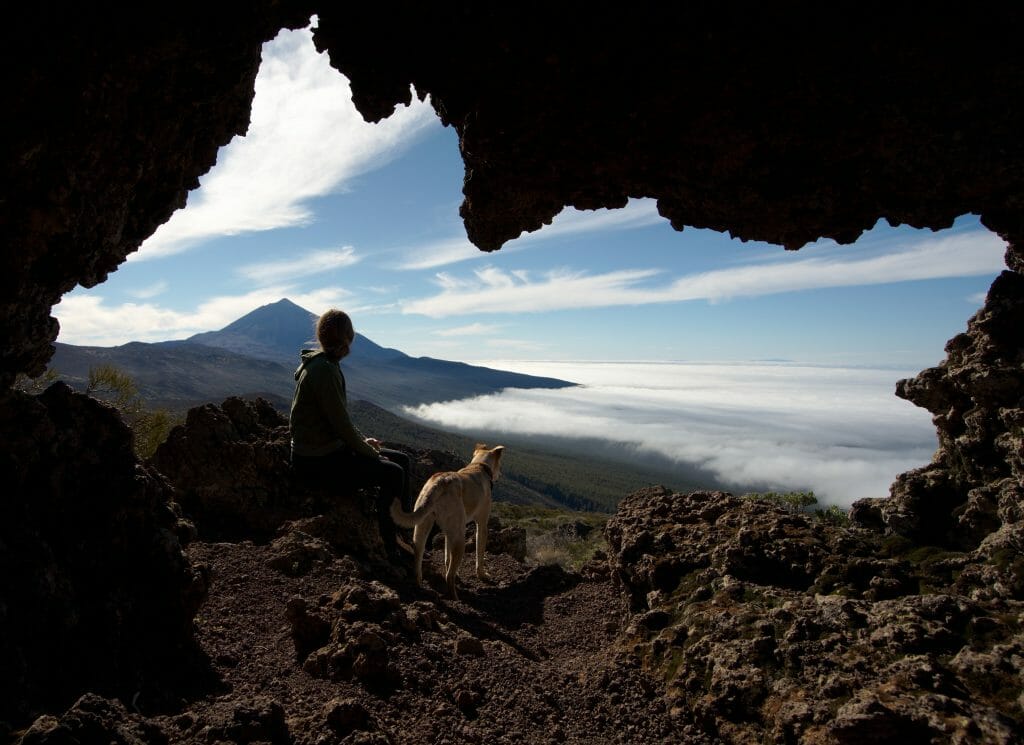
840, 432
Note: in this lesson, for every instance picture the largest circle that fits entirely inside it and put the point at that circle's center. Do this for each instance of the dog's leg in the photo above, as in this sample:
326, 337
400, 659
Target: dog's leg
481, 541
455, 549
419, 538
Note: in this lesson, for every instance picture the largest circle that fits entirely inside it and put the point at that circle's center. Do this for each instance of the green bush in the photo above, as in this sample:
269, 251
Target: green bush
118, 389
802, 502
546, 542
834, 515
794, 501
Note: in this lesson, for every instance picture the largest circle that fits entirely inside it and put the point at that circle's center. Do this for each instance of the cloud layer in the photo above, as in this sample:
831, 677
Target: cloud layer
493, 290
837, 431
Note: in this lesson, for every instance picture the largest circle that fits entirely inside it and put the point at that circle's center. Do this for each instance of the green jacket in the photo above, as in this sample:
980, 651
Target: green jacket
319, 415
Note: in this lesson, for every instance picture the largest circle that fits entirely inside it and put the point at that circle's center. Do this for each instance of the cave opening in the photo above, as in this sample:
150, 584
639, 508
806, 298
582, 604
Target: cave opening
770, 125
318, 206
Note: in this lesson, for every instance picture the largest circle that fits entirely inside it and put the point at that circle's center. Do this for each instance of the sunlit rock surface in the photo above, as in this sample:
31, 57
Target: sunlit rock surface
973, 490
772, 627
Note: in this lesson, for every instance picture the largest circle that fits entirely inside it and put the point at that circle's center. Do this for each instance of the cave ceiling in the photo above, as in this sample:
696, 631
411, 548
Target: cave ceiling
781, 124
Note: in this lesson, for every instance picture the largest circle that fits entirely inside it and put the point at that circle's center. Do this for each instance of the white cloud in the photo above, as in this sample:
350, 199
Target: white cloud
637, 213
86, 319
473, 329
439, 253
305, 140
492, 290
977, 298
839, 432
314, 262
150, 291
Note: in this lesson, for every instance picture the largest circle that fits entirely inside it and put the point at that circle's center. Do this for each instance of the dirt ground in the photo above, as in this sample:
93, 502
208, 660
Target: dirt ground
528, 657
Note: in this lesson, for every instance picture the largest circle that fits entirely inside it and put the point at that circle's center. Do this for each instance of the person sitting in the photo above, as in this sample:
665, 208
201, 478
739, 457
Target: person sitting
326, 447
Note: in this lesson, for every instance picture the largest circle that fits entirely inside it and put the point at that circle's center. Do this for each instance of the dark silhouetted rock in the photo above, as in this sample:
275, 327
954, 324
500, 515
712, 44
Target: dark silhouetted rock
97, 593
970, 495
94, 719
230, 467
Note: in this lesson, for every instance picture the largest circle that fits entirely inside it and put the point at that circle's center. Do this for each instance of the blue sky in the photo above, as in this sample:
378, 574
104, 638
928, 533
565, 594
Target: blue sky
320, 207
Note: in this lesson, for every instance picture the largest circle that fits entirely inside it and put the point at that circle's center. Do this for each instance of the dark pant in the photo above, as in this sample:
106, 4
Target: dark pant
389, 472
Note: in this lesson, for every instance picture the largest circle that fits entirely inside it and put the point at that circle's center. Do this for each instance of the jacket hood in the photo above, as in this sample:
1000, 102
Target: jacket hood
307, 355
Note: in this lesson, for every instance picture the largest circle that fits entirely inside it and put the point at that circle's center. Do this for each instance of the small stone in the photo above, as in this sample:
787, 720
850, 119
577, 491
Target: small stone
469, 646
345, 715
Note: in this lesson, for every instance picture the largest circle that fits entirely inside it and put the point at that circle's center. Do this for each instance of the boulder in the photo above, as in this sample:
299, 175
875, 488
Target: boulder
95, 582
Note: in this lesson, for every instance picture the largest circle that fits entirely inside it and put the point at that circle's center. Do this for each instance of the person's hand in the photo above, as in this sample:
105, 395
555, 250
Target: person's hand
374, 443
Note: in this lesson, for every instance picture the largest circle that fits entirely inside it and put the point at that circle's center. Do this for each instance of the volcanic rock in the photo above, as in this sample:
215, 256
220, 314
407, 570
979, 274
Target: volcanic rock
95, 582
744, 608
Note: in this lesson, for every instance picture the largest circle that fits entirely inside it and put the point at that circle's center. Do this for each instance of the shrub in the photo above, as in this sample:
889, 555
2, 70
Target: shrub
834, 515
794, 501
149, 428
547, 540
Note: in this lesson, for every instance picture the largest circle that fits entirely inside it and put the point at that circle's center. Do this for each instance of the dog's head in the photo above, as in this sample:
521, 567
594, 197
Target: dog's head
489, 456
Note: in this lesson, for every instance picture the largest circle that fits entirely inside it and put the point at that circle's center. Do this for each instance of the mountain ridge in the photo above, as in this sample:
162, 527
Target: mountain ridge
259, 352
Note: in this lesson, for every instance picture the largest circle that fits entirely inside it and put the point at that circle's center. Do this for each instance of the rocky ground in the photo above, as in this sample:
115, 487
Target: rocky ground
274, 617
710, 620
308, 646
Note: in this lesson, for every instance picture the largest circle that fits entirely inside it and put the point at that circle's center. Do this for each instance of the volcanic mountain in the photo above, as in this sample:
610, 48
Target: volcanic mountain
258, 353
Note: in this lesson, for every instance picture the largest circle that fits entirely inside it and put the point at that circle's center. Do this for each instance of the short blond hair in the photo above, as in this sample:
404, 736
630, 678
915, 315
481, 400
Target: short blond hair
334, 330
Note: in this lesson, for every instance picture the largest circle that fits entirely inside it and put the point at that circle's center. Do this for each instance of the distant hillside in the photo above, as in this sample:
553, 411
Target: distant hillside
258, 354
388, 377
177, 375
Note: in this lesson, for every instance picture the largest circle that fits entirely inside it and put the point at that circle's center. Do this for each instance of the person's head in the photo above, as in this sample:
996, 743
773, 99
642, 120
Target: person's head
334, 332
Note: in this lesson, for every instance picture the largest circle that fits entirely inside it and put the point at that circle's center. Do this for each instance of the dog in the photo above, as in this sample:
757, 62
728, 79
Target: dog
451, 499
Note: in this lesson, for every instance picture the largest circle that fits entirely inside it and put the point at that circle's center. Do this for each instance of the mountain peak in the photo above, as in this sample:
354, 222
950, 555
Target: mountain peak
284, 311
278, 331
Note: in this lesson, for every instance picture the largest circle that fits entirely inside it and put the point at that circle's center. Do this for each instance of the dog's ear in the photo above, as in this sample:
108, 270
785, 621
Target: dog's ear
497, 453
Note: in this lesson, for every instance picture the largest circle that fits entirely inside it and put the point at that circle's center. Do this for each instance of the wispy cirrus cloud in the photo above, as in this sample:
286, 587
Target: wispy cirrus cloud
305, 140
87, 319
472, 329
150, 291
313, 262
493, 290
638, 213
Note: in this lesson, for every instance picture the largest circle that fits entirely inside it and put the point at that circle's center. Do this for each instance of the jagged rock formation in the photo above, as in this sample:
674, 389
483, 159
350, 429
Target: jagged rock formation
769, 627
973, 490
229, 464
96, 591
230, 467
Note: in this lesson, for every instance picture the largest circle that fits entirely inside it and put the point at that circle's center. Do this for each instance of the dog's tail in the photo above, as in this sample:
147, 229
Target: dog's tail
412, 519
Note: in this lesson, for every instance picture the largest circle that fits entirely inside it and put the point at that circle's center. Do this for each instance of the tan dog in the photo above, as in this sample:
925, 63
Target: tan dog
452, 499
